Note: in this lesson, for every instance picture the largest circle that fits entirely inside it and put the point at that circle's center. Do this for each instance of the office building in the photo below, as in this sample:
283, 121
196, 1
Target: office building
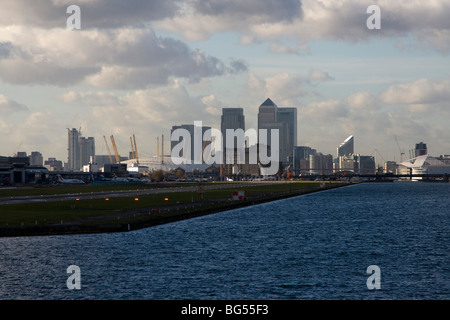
289, 116
87, 150
420, 150
73, 163
188, 151
366, 164
346, 148
36, 159
300, 159
80, 150
390, 167
320, 163
270, 116
233, 119
267, 113
53, 165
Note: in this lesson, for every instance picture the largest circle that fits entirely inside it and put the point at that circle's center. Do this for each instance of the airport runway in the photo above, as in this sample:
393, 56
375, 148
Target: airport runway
121, 193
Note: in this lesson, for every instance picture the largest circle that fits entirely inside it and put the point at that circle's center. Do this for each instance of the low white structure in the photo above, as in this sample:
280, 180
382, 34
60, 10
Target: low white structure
166, 164
425, 164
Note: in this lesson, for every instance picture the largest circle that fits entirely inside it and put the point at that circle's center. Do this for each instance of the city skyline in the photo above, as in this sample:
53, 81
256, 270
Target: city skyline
141, 69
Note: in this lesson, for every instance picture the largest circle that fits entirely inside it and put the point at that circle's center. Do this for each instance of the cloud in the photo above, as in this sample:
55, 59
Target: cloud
317, 76
8, 106
309, 20
421, 91
127, 58
260, 11
92, 98
284, 88
152, 108
94, 13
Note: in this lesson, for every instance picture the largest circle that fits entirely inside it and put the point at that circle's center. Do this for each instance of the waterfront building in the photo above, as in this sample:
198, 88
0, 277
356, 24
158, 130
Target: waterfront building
320, 163
346, 148
390, 167
366, 164
421, 149
425, 164
300, 159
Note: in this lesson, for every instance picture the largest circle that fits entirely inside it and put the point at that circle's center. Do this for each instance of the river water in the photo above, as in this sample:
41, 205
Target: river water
316, 246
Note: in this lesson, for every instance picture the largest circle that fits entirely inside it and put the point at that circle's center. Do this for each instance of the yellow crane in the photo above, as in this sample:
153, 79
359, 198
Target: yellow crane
109, 151
116, 153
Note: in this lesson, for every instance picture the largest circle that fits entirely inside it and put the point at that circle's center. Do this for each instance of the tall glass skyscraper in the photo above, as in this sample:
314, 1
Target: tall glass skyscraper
80, 150
232, 118
189, 146
270, 116
346, 148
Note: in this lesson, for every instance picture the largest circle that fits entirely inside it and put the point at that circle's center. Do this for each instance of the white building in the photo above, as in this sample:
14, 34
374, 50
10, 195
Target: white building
425, 164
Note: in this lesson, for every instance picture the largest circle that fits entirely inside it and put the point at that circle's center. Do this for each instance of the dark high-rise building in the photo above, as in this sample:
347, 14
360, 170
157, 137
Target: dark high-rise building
189, 146
87, 150
73, 162
421, 149
300, 159
232, 118
289, 116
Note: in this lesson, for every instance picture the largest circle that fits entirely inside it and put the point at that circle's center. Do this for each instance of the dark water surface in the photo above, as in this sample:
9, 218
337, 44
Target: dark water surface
316, 246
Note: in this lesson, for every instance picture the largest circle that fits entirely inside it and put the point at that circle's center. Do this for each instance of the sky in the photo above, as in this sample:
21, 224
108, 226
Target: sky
139, 67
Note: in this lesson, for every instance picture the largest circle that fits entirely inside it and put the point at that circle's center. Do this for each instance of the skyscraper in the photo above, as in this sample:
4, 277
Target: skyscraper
267, 113
73, 150
87, 150
270, 116
189, 146
346, 148
232, 118
80, 150
289, 116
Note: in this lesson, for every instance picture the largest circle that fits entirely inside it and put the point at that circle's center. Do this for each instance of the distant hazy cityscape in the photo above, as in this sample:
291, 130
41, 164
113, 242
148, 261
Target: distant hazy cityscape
294, 161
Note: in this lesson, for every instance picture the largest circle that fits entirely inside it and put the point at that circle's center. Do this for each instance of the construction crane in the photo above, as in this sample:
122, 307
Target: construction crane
133, 153
136, 156
162, 149
375, 156
116, 153
157, 147
109, 151
401, 152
